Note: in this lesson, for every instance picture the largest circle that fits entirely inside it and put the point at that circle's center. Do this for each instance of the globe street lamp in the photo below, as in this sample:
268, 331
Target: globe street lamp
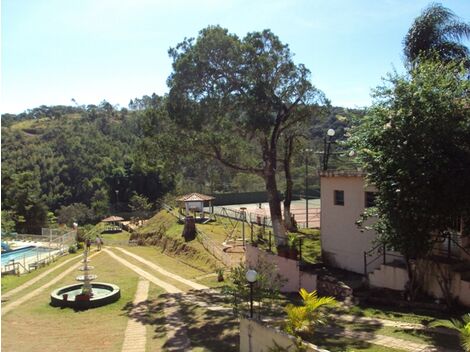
326, 147
251, 276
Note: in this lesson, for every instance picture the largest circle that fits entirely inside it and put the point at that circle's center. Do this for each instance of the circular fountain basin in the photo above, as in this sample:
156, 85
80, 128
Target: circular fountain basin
103, 294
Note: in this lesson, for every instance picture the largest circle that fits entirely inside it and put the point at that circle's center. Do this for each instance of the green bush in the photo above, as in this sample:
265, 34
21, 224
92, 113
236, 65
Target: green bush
79, 245
72, 249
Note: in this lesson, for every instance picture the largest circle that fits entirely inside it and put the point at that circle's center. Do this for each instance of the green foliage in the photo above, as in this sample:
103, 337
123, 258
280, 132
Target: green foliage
462, 326
139, 202
311, 313
414, 145
53, 157
437, 31
233, 97
265, 289
76, 212
72, 249
7, 222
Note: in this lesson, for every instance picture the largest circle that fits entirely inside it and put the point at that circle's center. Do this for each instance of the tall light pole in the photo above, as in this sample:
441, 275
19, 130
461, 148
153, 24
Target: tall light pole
326, 147
251, 276
306, 151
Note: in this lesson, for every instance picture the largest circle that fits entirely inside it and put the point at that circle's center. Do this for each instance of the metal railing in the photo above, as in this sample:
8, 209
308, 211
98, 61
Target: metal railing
213, 248
40, 255
377, 253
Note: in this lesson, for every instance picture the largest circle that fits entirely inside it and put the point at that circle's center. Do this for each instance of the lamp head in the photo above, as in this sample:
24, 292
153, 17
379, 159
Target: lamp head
330, 132
251, 275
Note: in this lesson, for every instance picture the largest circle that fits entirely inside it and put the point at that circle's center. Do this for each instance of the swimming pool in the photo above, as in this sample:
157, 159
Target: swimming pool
25, 252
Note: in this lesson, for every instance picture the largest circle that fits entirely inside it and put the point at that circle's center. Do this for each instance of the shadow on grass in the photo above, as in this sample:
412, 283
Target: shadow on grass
431, 337
337, 336
212, 330
148, 312
208, 327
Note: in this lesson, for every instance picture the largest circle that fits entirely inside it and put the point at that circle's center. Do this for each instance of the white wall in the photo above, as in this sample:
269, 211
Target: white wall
257, 337
342, 242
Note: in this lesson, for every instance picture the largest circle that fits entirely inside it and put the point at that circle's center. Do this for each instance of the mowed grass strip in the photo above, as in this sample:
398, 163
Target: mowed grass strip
35, 325
148, 269
155, 320
173, 264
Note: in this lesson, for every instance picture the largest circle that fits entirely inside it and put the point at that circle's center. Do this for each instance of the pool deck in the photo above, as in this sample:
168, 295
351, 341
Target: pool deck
25, 262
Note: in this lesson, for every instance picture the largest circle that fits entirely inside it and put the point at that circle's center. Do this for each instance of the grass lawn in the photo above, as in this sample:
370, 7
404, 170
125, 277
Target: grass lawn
418, 316
210, 330
36, 325
341, 344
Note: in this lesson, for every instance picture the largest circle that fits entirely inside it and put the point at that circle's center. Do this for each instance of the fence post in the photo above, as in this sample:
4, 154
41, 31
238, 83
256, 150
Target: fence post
251, 232
269, 240
365, 264
384, 254
448, 246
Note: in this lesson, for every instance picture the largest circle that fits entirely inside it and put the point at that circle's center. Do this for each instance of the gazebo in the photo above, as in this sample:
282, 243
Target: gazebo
194, 202
115, 221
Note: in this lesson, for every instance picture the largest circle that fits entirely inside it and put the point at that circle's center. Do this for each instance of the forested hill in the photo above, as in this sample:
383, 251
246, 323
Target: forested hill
57, 156
85, 162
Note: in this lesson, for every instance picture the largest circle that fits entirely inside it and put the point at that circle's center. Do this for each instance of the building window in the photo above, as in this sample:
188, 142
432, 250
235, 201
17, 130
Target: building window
370, 199
339, 197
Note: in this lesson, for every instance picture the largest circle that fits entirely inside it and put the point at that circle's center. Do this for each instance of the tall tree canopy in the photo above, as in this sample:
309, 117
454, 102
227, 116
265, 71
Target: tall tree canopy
414, 144
232, 97
437, 31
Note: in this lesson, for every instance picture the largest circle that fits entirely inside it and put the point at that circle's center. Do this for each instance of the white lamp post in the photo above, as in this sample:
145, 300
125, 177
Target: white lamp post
326, 148
251, 276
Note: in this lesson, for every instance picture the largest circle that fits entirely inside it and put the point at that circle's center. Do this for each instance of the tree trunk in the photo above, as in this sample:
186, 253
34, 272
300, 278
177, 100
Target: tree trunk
280, 235
288, 221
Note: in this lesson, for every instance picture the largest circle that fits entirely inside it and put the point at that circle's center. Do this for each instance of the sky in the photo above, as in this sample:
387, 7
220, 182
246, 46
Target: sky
53, 51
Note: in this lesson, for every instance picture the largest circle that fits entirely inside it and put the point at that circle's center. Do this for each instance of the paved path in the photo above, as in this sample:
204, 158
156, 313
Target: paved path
37, 291
135, 337
178, 340
37, 278
393, 323
166, 286
162, 271
382, 340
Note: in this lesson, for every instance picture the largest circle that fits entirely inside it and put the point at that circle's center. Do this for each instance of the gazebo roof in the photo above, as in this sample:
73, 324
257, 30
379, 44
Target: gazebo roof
195, 197
113, 219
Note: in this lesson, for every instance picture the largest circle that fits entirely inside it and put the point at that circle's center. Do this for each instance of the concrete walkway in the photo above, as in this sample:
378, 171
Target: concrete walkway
162, 271
37, 278
393, 323
135, 337
37, 291
166, 286
382, 340
178, 340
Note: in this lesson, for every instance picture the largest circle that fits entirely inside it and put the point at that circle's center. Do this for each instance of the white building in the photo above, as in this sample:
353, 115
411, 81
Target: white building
344, 196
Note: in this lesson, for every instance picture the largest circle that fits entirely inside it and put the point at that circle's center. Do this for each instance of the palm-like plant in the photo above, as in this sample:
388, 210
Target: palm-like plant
463, 326
308, 315
437, 31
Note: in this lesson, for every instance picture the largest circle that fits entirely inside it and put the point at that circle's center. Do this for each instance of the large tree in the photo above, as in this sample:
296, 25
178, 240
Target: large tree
414, 144
235, 97
437, 31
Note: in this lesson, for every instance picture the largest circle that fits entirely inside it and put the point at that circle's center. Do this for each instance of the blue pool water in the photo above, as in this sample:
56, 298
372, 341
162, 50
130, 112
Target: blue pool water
26, 252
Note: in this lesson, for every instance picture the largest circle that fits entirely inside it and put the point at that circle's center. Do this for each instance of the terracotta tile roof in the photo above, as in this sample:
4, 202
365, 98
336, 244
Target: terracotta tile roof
112, 219
194, 197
